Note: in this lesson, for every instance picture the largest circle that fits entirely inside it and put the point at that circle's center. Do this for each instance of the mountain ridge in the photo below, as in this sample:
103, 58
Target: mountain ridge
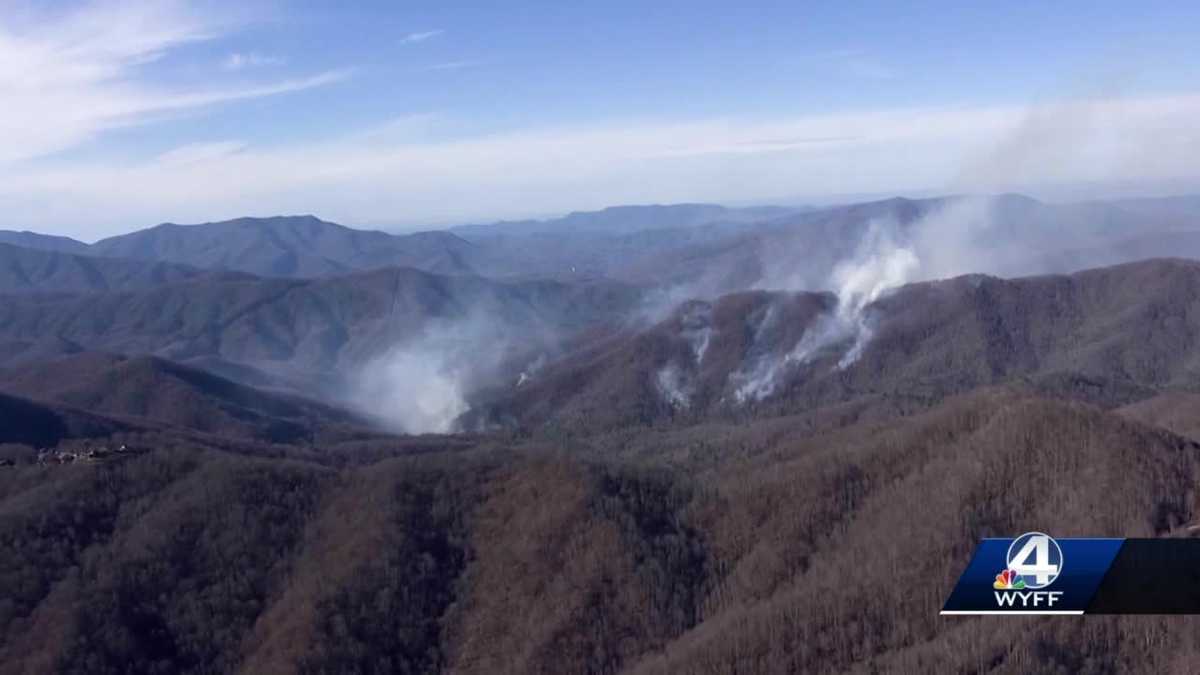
164, 392
1132, 328
308, 330
713, 248
45, 242
25, 270
287, 246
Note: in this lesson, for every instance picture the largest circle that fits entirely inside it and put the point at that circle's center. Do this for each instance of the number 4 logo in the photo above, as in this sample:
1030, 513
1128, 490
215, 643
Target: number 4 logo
1037, 558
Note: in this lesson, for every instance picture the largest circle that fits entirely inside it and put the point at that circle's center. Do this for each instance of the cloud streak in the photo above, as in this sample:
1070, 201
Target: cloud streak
241, 61
451, 65
66, 78
414, 38
199, 152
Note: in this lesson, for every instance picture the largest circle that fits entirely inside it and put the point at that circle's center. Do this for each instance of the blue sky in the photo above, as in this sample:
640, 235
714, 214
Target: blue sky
402, 114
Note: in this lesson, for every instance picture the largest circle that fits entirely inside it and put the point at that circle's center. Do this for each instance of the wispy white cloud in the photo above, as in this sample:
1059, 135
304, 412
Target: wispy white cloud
66, 77
240, 60
451, 65
412, 128
199, 152
168, 101
413, 38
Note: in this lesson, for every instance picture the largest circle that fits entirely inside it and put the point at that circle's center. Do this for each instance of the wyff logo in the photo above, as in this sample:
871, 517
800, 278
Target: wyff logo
1034, 560
1026, 575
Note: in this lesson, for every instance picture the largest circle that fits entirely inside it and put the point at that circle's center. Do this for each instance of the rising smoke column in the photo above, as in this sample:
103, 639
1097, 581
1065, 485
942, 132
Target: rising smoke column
672, 386
879, 264
696, 328
674, 381
530, 370
967, 234
423, 383
414, 388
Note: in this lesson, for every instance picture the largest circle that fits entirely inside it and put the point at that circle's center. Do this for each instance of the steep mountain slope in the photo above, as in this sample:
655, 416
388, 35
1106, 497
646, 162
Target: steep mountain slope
1123, 331
1176, 411
32, 270
306, 327
289, 246
546, 559
171, 394
805, 518
45, 425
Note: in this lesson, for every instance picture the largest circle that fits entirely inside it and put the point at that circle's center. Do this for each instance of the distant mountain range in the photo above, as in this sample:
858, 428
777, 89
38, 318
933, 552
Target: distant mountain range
283, 246
306, 246
624, 220
580, 246
298, 246
43, 271
713, 248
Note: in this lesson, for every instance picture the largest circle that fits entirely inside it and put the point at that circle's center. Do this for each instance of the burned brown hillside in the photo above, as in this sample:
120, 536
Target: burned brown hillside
753, 548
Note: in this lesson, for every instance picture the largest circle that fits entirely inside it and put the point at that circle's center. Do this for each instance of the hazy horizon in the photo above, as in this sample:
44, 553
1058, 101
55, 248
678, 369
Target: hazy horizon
119, 115
1064, 196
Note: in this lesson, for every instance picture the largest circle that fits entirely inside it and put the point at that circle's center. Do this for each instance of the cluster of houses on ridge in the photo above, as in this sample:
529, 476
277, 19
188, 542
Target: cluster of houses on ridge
84, 453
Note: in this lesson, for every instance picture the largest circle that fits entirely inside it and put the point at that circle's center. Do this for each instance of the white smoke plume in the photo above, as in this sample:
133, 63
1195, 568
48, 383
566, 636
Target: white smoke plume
423, 384
532, 369
880, 263
700, 340
697, 329
757, 380
414, 388
673, 387
675, 382
958, 236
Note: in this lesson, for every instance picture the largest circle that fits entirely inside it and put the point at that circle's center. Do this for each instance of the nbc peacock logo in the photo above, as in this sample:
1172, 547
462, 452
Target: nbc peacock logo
1008, 580
1033, 561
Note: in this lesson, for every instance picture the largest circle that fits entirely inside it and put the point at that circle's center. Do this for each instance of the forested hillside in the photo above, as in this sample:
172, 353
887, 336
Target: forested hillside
763, 548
